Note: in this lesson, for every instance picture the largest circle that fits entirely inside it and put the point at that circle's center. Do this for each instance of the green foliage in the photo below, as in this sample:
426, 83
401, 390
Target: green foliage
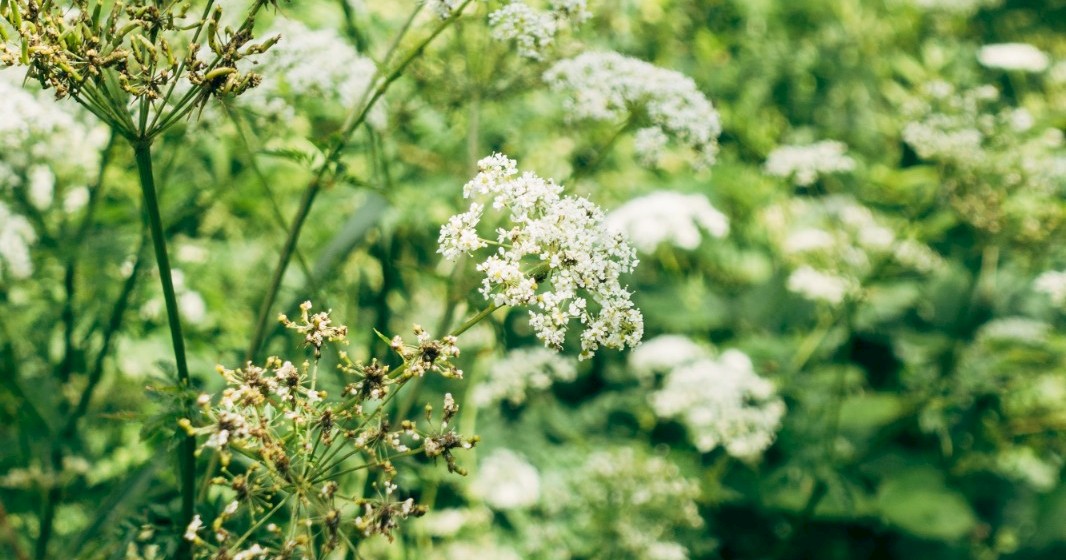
890, 327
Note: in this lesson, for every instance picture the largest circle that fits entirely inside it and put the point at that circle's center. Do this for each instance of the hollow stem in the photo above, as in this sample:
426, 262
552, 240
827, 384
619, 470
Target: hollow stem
187, 450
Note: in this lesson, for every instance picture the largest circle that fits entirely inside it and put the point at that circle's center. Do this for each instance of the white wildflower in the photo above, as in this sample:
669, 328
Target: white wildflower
916, 255
521, 371
649, 144
459, 236
192, 307
1015, 329
722, 402
1013, 56
444, 8
606, 86
532, 30
573, 10
664, 353
804, 164
1052, 283
819, 286
254, 552
75, 199
194, 527
579, 262
42, 186
675, 218
506, 481
16, 236
1024, 464
310, 64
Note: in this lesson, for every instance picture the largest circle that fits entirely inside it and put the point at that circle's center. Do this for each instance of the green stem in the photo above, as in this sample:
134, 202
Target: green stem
187, 450
324, 172
476, 319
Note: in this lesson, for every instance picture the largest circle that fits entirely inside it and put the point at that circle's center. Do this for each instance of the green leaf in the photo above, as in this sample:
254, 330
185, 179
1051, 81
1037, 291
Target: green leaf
919, 502
862, 415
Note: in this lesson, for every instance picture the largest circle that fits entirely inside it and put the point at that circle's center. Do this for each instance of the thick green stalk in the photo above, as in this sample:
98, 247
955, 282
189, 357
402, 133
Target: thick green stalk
186, 451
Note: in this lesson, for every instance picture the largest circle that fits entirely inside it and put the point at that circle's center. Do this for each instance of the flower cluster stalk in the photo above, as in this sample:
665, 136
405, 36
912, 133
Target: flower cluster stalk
187, 448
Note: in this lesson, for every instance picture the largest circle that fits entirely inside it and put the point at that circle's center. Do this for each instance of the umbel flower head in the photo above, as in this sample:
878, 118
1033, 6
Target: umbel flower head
607, 86
106, 55
557, 257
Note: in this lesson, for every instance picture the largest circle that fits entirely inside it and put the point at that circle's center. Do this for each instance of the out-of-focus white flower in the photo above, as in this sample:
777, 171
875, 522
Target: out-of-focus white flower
1052, 283
520, 371
722, 402
670, 217
649, 144
833, 244
819, 286
506, 481
531, 29
448, 522
641, 500
577, 258
1023, 463
804, 164
191, 304
192, 307
443, 8
919, 256
1015, 329
45, 147
16, 236
42, 186
606, 86
574, 10
310, 64
254, 552
75, 199
664, 353
194, 527
1013, 56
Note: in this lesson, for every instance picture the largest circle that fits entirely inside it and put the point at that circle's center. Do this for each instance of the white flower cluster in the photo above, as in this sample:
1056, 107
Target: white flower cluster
804, 164
643, 500
664, 353
1013, 56
534, 30
833, 242
577, 263
191, 304
47, 148
1053, 283
444, 8
607, 86
670, 217
307, 64
1000, 171
521, 371
819, 286
1024, 464
16, 236
945, 123
722, 402
506, 481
